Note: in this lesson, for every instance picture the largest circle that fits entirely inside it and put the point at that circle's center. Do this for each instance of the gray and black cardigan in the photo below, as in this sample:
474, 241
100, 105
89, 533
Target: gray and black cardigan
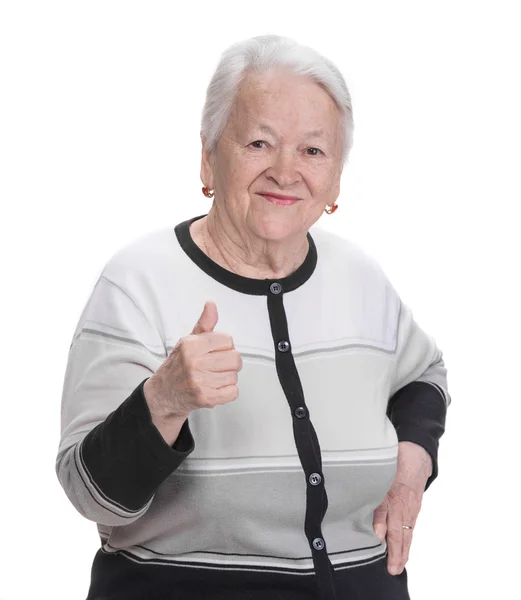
271, 495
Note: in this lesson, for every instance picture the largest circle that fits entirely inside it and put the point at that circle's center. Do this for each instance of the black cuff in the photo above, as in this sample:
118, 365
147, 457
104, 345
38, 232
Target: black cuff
418, 413
126, 456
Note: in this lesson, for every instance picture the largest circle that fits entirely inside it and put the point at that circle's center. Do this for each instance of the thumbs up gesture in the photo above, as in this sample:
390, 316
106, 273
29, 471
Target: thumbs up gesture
200, 372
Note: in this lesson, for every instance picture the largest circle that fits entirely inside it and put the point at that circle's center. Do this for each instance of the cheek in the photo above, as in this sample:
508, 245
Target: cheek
323, 183
242, 174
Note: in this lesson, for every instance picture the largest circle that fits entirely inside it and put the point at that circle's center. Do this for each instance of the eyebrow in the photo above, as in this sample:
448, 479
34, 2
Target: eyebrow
315, 133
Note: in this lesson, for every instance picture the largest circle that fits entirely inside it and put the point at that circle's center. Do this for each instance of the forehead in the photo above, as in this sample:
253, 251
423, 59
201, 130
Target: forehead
286, 100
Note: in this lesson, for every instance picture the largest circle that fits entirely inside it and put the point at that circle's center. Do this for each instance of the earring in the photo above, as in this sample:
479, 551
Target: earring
208, 193
331, 209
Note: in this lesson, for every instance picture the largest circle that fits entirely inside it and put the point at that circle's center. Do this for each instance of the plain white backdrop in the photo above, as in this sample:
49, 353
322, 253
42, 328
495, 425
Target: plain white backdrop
100, 108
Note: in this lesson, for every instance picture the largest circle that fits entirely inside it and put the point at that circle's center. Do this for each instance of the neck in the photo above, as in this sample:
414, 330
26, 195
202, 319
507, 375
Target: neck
247, 255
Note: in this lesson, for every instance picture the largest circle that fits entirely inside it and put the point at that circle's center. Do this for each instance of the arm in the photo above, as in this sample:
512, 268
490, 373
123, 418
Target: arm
419, 397
112, 457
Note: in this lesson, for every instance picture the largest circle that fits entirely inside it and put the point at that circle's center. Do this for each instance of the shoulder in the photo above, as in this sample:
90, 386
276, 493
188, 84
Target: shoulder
339, 254
142, 259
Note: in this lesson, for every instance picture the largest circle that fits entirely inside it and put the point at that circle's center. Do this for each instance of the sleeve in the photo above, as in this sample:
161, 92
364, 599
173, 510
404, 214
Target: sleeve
111, 457
419, 396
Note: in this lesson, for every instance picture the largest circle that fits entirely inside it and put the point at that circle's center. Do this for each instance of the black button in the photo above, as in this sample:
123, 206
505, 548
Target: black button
318, 544
283, 346
275, 288
300, 412
315, 478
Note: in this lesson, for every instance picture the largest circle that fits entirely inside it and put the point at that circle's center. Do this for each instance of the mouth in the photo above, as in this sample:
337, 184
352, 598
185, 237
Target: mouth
279, 199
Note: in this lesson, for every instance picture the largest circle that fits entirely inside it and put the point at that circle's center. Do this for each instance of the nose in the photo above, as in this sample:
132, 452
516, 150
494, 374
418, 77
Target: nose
283, 171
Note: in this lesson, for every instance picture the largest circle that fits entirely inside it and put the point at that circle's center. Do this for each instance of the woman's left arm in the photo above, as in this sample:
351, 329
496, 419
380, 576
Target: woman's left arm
419, 396
417, 408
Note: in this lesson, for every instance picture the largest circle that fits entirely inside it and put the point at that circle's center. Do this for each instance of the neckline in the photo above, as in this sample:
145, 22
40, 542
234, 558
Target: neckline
245, 285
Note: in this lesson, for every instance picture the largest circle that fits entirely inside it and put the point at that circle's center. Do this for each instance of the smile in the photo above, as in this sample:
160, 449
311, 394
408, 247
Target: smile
280, 200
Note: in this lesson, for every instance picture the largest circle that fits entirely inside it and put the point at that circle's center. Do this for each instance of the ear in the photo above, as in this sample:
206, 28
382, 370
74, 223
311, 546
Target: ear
337, 180
206, 166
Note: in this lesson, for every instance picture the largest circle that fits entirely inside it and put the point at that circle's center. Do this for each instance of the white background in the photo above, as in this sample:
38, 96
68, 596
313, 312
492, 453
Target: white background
99, 143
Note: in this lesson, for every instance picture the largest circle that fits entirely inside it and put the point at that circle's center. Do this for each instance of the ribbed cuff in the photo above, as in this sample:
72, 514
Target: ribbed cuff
127, 457
418, 412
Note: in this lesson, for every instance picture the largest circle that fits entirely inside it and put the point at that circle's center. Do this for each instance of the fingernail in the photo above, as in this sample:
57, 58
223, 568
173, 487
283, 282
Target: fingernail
393, 570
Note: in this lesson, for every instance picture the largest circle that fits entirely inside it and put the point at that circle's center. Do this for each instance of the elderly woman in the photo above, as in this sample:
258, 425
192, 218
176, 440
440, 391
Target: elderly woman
249, 410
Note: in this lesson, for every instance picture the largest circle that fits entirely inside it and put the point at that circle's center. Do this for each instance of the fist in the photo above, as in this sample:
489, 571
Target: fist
200, 372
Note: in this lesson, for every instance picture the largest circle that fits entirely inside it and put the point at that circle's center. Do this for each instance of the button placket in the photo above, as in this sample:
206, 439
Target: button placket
306, 442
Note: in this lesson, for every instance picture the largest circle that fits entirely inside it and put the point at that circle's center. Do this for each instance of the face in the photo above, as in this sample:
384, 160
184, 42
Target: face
282, 137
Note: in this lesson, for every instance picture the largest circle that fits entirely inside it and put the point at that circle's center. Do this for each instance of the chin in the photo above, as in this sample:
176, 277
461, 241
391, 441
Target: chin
276, 229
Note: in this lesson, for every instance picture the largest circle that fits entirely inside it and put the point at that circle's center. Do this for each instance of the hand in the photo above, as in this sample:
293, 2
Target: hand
200, 372
402, 504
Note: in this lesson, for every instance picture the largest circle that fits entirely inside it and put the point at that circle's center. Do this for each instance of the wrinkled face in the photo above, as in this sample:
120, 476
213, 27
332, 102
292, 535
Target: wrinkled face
282, 137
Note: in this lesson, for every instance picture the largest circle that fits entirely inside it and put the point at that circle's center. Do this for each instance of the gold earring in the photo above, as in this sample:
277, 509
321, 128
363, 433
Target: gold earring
331, 209
208, 193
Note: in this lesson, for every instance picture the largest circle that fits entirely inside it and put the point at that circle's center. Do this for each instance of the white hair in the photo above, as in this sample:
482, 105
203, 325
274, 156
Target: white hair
263, 53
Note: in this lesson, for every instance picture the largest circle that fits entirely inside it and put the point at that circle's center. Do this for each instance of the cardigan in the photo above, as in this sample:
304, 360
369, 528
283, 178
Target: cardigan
271, 495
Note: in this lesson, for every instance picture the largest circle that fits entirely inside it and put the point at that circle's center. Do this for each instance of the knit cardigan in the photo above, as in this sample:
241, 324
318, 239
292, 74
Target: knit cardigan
271, 495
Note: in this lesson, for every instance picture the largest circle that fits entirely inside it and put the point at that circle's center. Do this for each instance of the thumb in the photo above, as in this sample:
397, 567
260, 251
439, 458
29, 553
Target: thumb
380, 520
208, 319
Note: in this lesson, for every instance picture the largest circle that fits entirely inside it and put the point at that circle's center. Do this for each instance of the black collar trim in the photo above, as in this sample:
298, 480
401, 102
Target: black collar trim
246, 285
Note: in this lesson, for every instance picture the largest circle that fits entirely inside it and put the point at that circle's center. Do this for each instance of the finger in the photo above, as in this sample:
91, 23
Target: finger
380, 520
395, 533
224, 379
208, 319
226, 360
226, 394
406, 546
214, 341
410, 515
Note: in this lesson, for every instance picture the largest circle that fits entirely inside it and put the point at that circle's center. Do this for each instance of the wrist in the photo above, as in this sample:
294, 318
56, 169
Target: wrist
160, 408
418, 454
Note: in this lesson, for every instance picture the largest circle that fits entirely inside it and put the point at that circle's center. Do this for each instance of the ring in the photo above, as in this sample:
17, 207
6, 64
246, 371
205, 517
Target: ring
406, 527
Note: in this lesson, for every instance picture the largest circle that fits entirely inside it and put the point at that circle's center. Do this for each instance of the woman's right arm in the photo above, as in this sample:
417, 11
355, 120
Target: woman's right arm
112, 455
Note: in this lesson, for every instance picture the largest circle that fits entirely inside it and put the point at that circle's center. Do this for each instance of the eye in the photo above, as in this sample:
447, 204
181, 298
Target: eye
258, 144
314, 151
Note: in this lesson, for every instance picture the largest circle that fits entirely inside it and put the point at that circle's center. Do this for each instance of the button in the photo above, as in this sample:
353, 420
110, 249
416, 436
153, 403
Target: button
315, 478
275, 288
300, 412
318, 544
283, 346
